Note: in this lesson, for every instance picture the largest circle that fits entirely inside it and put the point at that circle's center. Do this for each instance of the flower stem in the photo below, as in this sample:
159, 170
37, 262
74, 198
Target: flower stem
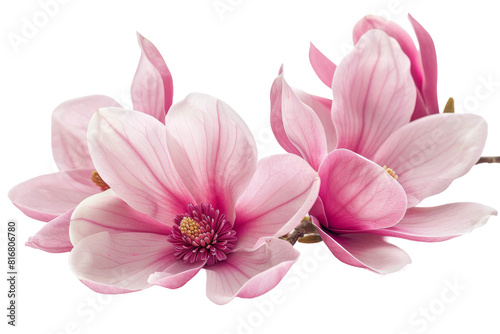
305, 227
489, 160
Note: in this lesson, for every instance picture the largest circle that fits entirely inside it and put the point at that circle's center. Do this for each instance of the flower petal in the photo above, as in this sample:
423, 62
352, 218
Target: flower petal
281, 192
429, 69
121, 260
374, 93
176, 275
212, 149
129, 151
250, 273
105, 289
277, 115
420, 107
152, 87
392, 29
48, 196
431, 152
301, 125
323, 66
364, 251
440, 223
357, 194
54, 236
70, 121
108, 212
323, 108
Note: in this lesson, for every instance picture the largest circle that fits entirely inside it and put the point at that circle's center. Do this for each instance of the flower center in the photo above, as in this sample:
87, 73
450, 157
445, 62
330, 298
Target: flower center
391, 172
98, 181
202, 234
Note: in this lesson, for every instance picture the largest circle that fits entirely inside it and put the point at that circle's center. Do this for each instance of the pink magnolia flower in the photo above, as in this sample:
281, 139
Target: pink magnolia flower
53, 197
375, 165
423, 62
187, 196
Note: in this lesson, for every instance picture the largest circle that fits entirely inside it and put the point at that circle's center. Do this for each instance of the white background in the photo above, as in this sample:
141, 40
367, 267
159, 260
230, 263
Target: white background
89, 47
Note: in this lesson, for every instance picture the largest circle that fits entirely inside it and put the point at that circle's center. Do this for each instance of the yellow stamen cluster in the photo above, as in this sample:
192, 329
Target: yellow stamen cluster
391, 172
98, 181
190, 227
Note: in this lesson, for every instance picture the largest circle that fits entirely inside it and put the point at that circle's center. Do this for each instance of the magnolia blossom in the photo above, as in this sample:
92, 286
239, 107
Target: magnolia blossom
185, 196
423, 62
375, 165
53, 197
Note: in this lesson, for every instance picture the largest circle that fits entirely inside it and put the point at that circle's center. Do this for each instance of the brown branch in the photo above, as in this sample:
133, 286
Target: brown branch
310, 238
305, 227
489, 160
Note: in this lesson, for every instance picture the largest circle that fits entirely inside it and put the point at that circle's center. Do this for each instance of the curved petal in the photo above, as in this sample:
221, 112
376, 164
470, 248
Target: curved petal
70, 121
107, 212
250, 273
121, 260
277, 115
281, 192
364, 251
318, 211
105, 289
392, 29
176, 275
48, 196
301, 124
374, 93
357, 194
129, 149
323, 66
429, 69
54, 236
323, 108
152, 87
420, 107
431, 152
440, 223
212, 149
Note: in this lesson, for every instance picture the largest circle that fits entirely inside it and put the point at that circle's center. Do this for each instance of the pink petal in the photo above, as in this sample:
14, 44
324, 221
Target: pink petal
374, 93
152, 87
48, 196
318, 211
431, 152
176, 275
420, 107
423, 62
429, 69
441, 222
54, 236
301, 124
277, 115
70, 121
105, 289
250, 273
365, 251
323, 66
212, 149
392, 29
357, 194
121, 260
107, 212
281, 192
323, 108
130, 154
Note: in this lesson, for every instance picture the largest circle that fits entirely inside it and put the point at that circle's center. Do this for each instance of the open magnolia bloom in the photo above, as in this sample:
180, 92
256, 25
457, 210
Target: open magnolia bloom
423, 62
185, 196
375, 165
53, 197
